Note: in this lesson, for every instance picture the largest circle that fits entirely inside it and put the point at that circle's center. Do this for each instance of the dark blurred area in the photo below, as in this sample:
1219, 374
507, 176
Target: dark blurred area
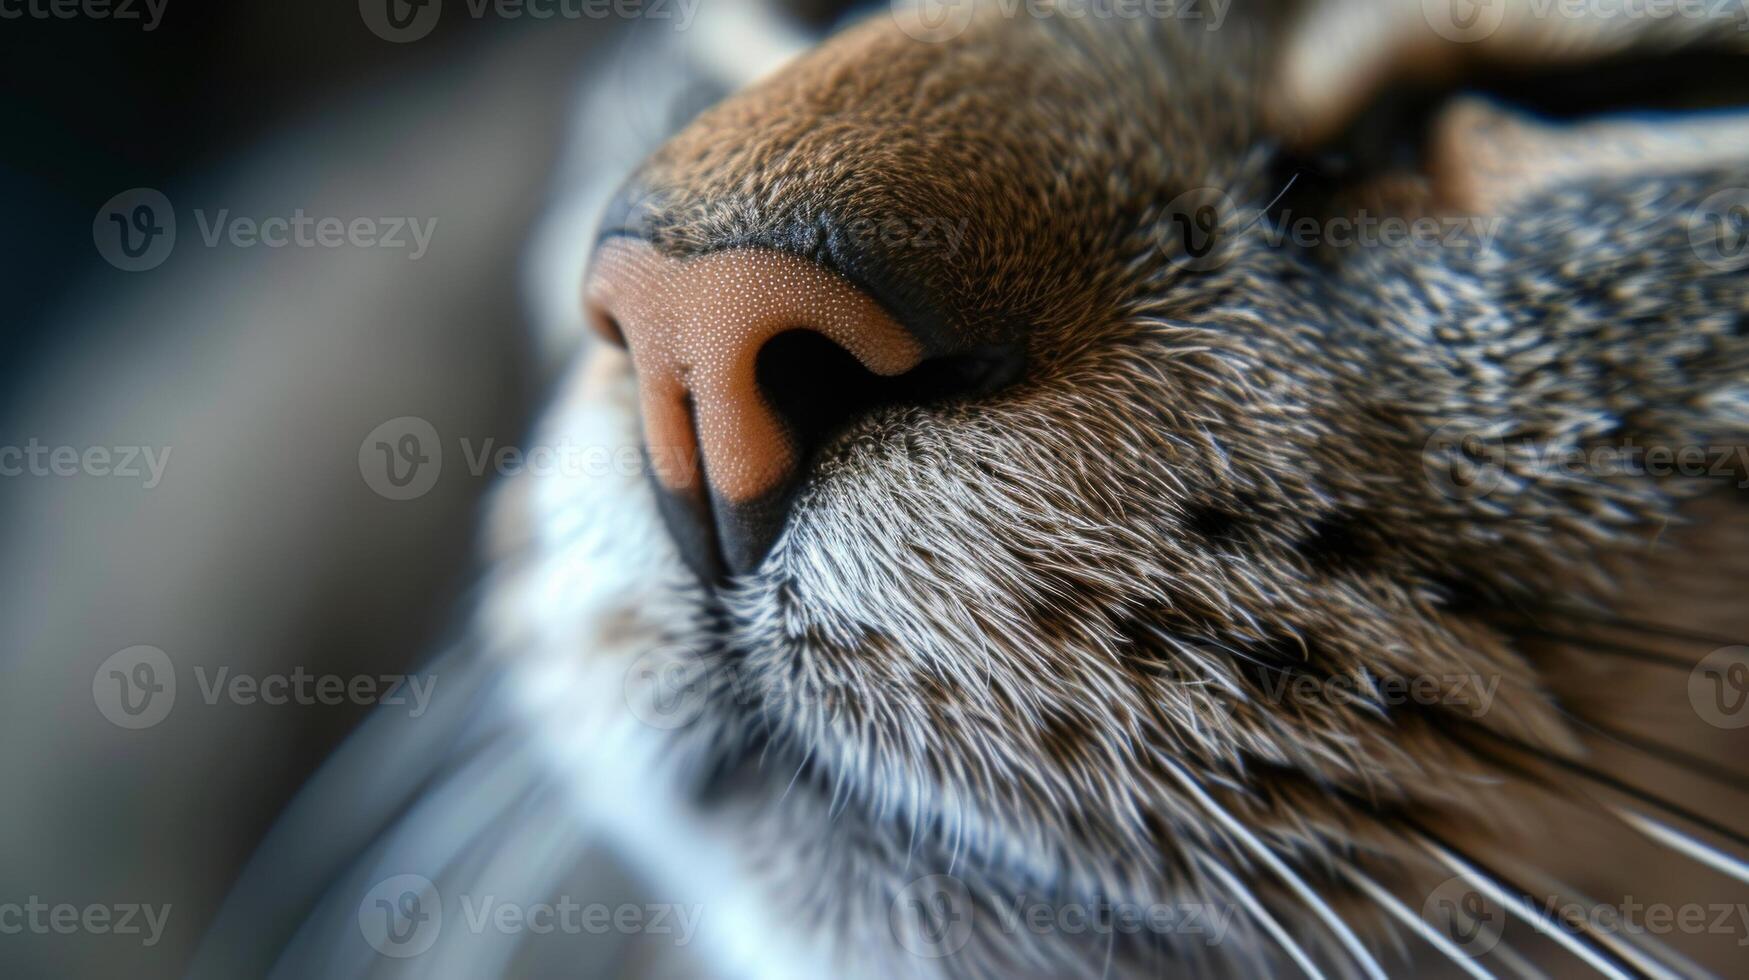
92, 106
257, 372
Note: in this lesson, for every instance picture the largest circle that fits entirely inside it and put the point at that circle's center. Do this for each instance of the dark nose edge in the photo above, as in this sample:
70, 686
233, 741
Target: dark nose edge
716, 537
638, 210
747, 530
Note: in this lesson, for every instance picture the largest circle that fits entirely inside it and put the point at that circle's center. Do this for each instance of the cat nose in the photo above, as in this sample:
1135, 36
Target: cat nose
739, 355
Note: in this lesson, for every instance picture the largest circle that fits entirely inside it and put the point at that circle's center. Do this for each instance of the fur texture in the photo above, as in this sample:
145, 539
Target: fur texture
1036, 641
1053, 644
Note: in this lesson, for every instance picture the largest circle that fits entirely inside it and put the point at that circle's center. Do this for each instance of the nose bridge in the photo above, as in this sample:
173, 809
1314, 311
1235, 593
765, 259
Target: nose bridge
695, 327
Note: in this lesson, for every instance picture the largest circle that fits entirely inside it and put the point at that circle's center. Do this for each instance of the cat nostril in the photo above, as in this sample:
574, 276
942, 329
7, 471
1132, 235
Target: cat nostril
745, 360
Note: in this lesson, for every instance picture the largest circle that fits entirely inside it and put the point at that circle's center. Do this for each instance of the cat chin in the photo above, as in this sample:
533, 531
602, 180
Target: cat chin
587, 585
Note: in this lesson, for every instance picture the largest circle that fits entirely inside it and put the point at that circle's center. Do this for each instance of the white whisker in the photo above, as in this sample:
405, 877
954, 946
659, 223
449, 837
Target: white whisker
1676, 840
1407, 917
1649, 956
1487, 885
1249, 900
1319, 907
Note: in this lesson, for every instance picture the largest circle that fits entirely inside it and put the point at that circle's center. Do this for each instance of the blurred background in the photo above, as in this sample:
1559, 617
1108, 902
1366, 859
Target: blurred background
190, 417
191, 487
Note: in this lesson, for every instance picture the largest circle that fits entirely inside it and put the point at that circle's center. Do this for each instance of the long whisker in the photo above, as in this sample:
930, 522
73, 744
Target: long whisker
1494, 887
1319, 907
1676, 840
1256, 910
1627, 789
1648, 955
1414, 923
798, 774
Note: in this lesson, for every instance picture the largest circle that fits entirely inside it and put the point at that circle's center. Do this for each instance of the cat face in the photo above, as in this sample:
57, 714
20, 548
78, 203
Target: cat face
1153, 523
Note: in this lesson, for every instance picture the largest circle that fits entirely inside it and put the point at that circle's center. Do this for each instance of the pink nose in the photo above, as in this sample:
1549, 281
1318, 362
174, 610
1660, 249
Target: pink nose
726, 458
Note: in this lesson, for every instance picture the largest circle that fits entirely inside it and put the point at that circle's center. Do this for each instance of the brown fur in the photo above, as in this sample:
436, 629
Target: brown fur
1001, 634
